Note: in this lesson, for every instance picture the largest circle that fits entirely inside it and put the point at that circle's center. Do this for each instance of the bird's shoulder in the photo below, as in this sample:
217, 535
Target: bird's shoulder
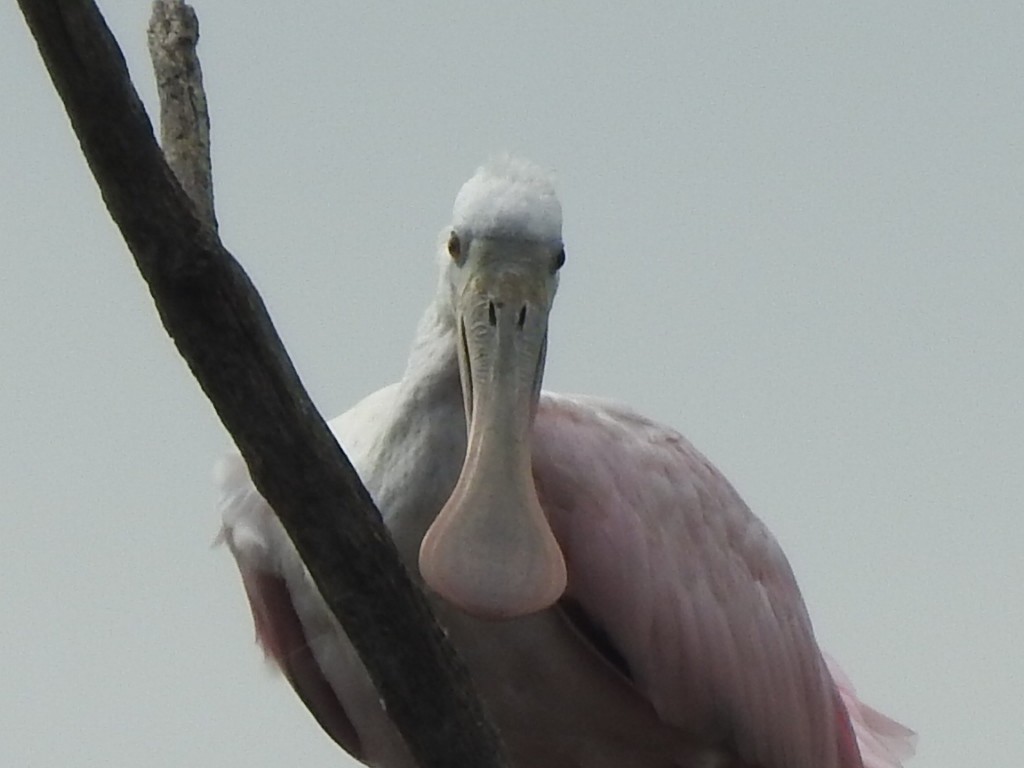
688, 584
256, 534
588, 447
364, 422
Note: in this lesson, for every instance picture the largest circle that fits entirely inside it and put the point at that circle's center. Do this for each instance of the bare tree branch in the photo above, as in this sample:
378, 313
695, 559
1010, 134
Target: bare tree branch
184, 118
221, 328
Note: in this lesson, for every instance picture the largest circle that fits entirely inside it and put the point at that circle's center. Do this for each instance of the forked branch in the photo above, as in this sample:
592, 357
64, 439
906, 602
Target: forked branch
221, 328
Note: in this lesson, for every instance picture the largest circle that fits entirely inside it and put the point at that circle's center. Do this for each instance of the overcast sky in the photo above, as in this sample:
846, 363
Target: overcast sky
795, 233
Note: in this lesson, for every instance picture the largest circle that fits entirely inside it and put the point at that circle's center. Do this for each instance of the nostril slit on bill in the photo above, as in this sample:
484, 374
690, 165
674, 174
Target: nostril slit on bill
492, 318
522, 316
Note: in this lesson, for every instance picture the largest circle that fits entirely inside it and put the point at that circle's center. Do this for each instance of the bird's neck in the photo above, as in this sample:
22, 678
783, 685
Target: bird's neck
424, 440
432, 372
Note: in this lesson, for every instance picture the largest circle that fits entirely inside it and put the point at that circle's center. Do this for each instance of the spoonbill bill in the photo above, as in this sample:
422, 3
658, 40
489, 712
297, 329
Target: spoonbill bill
617, 603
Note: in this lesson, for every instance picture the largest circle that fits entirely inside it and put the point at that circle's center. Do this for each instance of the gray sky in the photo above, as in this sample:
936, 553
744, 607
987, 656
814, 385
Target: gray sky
794, 233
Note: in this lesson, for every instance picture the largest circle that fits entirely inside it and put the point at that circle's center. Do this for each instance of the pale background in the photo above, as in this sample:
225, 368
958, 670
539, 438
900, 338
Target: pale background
793, 232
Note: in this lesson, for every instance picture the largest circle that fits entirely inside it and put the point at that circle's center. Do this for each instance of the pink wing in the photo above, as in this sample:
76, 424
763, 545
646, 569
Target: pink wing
280, 633
883, 742
259, 547
689, 586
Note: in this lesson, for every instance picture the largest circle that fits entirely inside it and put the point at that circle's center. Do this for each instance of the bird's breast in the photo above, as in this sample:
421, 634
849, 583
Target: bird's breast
557, 700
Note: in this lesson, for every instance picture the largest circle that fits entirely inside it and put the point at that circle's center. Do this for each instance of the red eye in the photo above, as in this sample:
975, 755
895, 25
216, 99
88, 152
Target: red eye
454, 246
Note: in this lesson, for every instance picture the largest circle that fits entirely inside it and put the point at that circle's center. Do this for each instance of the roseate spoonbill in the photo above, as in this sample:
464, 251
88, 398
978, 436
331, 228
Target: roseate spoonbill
616, 601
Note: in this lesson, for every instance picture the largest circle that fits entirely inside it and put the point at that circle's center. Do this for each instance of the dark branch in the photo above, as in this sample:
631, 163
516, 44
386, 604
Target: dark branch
221, 328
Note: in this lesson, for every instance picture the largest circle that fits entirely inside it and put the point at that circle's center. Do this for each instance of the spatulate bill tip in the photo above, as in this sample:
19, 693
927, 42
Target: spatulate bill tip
488, 573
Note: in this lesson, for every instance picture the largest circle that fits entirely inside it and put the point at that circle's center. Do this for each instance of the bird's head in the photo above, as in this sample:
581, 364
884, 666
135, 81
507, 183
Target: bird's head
490, 550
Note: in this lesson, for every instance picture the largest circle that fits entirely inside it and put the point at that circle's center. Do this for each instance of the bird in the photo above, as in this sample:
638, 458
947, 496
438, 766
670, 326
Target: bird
615, 600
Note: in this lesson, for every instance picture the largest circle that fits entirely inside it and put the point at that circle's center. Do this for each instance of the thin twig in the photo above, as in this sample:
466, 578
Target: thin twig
184, 117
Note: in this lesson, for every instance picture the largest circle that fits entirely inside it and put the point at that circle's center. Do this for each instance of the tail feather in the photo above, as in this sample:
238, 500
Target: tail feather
883, 742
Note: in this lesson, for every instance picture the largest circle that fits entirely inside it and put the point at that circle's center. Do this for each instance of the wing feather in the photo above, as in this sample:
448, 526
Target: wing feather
688, 584
266, 566
884, 743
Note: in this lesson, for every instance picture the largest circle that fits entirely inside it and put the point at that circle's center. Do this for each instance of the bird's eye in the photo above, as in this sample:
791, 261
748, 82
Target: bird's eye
559, 259
454, 246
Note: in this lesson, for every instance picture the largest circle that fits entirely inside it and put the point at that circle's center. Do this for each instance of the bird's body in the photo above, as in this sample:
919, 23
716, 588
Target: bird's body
664, 630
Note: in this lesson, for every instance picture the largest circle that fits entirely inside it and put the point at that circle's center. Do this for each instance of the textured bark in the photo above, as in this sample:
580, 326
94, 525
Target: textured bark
221, 328
184, 117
